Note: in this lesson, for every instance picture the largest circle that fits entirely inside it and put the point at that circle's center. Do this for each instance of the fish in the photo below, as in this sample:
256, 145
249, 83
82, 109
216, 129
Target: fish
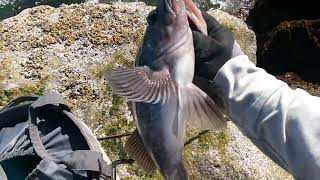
164, 99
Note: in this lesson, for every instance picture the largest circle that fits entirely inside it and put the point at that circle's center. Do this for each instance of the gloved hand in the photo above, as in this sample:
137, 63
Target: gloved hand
214, 50
211, 53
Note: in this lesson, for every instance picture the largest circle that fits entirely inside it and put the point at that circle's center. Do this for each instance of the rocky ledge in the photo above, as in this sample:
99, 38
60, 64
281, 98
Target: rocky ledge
68, 49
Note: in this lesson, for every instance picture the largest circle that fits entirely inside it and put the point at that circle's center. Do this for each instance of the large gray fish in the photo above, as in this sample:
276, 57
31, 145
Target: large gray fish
162, 91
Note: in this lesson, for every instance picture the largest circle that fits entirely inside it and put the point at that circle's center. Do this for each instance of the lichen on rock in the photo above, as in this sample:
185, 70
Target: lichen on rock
292, 47
68, 49
243, 35
294, 82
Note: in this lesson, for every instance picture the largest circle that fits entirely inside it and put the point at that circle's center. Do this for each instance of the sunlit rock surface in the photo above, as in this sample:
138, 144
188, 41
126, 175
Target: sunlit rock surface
68, 49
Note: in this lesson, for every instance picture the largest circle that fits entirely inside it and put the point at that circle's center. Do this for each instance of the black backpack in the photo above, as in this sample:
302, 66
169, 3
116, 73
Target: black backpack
41, 139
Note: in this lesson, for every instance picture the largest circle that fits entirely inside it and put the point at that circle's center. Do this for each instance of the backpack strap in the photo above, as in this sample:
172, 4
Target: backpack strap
18, 101
48, 99
81, 161
49, 170
12, 114
78, 161
34, 134
3, 175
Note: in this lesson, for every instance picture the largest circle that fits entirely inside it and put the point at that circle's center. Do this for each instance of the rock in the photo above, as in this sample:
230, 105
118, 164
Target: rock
295, 81
10, 8
238, 8
287, 37
244, 36
68, 49
230, 155
267, 14
293, 46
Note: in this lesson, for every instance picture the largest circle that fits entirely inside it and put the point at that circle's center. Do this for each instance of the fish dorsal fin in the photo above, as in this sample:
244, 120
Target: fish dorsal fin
135, 148
141, 84
200, 110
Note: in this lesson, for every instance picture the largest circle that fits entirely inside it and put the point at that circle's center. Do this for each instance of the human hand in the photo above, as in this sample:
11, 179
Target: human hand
211, 53
214, 50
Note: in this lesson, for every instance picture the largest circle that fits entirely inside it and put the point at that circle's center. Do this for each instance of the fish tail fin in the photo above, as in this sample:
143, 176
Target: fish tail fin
179, 172
200, 110
182, 172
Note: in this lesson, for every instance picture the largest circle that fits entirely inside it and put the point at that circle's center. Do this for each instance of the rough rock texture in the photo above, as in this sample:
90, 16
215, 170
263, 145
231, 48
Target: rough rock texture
10, 8
68, 49
295, 81
287, 36
267, 14
238, 8
292, 46
244, 36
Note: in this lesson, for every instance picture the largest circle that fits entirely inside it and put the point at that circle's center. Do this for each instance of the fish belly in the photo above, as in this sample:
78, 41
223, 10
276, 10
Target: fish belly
162, 132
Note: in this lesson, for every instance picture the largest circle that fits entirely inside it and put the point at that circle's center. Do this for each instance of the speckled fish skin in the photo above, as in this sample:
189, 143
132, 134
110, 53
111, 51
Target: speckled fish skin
160, 125
161, 89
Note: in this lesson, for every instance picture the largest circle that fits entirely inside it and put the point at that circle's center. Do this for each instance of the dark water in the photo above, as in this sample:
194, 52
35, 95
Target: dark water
10, 8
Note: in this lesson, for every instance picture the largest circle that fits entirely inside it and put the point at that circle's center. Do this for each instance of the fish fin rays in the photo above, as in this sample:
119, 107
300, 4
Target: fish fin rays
136, 149
200, 110
141, 84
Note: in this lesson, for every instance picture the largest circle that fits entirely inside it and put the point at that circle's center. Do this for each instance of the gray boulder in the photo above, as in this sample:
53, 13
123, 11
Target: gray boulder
68, 49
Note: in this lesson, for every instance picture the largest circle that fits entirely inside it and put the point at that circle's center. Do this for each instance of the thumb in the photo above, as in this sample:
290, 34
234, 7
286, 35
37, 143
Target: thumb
209, 55
205, 47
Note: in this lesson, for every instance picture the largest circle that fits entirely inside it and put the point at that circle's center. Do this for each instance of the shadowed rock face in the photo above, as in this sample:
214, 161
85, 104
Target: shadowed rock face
294, 81
288, 36
68, 49
267, 14
293, 46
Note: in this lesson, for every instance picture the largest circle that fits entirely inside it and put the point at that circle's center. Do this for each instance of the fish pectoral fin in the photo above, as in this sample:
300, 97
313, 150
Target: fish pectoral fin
200, 110
141, 84
135, 148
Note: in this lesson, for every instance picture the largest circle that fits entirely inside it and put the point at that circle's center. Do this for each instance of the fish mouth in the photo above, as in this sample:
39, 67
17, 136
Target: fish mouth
167, 8
172, 9
196, 21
